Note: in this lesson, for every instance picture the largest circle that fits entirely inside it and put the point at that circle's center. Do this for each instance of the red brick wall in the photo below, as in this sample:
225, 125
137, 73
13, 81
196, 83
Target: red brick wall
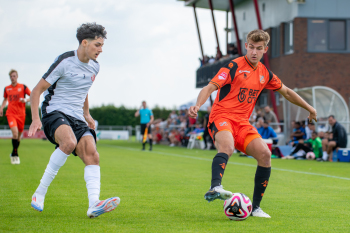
303, 69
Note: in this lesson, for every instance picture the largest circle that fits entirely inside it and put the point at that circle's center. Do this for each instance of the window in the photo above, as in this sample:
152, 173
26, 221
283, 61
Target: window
337, 34
263, 99
288, 38
277, 97
317, 38
325, 35
275, 42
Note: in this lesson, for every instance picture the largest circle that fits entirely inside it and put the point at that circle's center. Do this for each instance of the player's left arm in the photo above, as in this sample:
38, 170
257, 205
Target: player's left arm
294, 98
26, 92
87, 116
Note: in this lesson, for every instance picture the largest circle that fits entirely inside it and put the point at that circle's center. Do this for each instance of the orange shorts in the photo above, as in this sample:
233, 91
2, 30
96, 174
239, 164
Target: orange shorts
16, 121
242, 131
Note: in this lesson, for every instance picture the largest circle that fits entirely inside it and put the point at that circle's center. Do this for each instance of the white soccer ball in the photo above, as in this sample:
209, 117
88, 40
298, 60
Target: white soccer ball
238, 207
310, 155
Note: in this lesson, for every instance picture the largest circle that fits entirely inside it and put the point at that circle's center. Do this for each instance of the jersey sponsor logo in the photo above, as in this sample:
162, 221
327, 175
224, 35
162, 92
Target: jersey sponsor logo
252, 95
223, 123
93, 77
230, 65
244, 71
222, 76
73, 75
262, 80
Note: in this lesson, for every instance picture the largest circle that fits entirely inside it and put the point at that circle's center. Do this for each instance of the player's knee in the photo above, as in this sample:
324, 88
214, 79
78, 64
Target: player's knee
92, 158
227, 149
265, 156
68, 146
15, 135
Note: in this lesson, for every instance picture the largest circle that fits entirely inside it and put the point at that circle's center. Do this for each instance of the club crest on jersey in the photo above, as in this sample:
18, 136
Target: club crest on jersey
93, 78
223, 75
262, 80
19, 89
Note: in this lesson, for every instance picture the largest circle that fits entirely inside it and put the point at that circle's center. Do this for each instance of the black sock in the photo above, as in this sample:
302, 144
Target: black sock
150, 142
217, 169
262, 176
143, 145
15, 144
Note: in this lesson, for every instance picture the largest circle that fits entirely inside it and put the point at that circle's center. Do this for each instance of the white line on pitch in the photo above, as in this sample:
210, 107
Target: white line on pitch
243, 164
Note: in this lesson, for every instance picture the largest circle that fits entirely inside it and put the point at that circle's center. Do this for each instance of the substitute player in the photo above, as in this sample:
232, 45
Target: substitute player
15, 95
146, 119
239, 84
66, 118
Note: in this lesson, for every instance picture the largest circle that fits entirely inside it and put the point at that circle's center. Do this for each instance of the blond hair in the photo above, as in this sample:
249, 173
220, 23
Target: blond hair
13, 70
258, 35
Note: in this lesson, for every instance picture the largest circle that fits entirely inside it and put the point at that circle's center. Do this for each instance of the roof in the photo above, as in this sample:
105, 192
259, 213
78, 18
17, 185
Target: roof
221, 5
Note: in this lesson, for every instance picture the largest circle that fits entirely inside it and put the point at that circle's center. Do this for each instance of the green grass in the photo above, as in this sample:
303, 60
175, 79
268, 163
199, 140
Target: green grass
162, 191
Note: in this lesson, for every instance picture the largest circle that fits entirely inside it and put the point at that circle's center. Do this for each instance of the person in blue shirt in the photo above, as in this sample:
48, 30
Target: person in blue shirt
266, 131
298, 134
146, 119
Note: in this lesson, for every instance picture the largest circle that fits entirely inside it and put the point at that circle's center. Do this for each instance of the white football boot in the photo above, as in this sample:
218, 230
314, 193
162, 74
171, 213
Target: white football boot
17, 161
217, 193
258, 212
101, 207
13, 161
38, 202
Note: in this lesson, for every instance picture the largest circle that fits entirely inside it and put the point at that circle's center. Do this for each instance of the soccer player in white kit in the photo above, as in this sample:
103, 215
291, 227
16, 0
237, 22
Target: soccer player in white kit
66, 119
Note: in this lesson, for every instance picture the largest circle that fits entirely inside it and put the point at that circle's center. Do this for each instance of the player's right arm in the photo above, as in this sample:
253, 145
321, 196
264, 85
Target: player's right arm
202, 98
2, 107
34, 105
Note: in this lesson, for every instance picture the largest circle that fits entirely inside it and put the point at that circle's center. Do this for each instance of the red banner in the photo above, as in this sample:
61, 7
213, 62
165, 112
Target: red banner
40, 134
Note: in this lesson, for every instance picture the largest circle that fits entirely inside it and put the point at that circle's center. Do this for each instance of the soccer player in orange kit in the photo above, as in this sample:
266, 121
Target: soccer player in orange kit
15, 95
239, 85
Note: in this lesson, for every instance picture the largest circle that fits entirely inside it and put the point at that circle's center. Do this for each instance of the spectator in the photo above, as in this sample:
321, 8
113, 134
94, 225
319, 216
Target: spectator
266, 131
232, 50
314, 144
197, 130
339, 139
173, 115
174, 138
309, 129
298, 133
211, 60
270, 116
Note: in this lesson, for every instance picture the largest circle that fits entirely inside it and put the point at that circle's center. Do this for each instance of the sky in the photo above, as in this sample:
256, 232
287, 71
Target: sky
151, 52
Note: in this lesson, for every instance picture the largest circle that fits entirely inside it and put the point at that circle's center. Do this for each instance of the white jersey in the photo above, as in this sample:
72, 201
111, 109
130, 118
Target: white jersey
70, 81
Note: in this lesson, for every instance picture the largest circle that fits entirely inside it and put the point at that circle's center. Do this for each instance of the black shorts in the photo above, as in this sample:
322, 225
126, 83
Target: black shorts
143, 128
53, 120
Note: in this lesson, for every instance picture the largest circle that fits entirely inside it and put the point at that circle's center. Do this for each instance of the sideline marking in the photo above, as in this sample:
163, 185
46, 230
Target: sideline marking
243, 164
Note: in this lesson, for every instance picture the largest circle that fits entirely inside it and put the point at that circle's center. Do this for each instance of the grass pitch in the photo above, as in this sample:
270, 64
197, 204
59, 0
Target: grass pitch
162, 191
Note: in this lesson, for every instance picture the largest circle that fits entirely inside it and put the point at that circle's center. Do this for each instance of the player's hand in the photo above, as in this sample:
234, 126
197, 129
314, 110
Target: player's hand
313, 115
1, 112
22, 100
193, 111
34, 127
90, 121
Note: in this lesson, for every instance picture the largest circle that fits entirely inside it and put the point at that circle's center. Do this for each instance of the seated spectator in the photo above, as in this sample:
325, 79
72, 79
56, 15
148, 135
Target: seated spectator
314, 144
211, 60
266, 131
174, 137
197, 130
298, 133
173, 115
309, 129
339, 139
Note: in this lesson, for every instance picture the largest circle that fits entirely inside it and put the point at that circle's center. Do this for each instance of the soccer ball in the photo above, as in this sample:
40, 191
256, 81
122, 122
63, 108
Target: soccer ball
310, 155
238, 207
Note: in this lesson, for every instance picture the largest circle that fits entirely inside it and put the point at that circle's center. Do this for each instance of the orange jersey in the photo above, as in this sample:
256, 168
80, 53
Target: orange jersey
13, 95
239, 85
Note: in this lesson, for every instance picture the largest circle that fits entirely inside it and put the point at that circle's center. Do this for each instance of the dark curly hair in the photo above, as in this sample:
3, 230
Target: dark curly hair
90, 31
